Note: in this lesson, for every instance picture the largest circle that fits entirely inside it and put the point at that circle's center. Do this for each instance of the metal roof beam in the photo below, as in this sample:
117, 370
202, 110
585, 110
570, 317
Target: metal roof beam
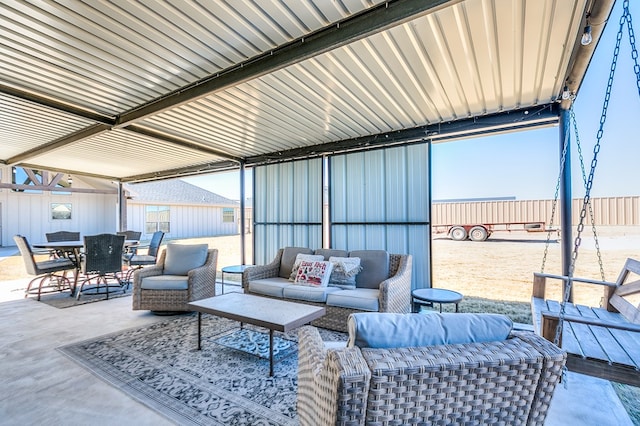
85, 133
540, 116
357, 27
180, 142
221, 166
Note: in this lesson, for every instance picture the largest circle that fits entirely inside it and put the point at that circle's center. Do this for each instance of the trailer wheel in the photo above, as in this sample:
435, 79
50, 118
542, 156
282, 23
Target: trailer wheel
458, 233
478, 233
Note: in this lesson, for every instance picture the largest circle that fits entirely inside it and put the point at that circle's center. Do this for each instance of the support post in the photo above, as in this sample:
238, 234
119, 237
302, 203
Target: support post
566, 226
122, 208
242, 216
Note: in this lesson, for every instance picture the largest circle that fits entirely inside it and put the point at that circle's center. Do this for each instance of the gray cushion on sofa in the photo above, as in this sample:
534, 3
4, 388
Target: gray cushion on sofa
391, 330
181, 258
165, 282
327, 253
288, 258
308, 294
269, 286
375, 267
362, 299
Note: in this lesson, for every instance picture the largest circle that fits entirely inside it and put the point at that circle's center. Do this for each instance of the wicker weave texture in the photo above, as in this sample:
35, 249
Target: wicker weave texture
506, 382
394, 292
201, 285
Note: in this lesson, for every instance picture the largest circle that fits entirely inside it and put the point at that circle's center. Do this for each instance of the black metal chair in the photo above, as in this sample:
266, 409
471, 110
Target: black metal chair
136, 261
45, 271
101, 264
53, 237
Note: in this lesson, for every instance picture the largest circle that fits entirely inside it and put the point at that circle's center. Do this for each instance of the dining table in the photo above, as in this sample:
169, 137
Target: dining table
73, 250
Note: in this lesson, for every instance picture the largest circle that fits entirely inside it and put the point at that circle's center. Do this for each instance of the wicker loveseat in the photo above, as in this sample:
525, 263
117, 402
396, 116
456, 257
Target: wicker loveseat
509, 380
383, 285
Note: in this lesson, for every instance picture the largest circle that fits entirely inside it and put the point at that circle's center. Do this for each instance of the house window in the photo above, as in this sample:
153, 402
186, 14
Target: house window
157, 218
61, 211
228, 215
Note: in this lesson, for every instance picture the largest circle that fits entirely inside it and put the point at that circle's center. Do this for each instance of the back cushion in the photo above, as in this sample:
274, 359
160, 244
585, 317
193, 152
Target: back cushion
389, 330
375, 267
327, 253
288, 259
181, 258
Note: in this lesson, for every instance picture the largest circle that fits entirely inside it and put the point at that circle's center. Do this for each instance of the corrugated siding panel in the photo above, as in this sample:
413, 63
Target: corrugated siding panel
380, 200
287, 207
607, 211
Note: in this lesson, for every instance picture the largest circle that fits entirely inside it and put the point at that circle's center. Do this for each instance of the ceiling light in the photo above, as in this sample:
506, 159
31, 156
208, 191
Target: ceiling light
586, 36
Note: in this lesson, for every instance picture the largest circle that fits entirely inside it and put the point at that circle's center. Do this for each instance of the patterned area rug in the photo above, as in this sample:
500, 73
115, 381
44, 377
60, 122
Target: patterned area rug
160, 366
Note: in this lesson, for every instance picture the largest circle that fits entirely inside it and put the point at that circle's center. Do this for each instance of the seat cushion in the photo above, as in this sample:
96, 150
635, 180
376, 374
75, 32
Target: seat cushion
375, 267
165, 282
141, 259
363, 299
269, 286
391, 330
288, 259
181, 258
308, 294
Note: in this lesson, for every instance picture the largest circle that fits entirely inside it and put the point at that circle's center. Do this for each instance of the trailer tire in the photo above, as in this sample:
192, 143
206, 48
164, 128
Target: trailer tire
478, 233
458, 233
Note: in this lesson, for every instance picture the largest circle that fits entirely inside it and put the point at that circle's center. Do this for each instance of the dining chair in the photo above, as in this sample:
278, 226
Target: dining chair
57, 236
101, 264
47, 279
136, 261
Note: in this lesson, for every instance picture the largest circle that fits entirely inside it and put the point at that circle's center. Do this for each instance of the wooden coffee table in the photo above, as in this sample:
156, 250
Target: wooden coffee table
273, 314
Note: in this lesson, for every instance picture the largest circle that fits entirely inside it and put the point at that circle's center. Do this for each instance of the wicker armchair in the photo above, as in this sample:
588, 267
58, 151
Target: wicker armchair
171, 293
501, 382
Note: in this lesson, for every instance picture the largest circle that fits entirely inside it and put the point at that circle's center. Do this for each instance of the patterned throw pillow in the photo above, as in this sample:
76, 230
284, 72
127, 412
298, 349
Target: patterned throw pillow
299, 258
344, 272
313, 273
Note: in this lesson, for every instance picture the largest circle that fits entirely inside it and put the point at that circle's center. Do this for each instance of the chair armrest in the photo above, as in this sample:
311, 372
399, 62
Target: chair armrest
202, 280
333, 384
260, 272
395, 292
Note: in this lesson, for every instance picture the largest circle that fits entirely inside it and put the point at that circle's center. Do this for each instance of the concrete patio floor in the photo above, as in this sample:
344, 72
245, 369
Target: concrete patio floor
39, 385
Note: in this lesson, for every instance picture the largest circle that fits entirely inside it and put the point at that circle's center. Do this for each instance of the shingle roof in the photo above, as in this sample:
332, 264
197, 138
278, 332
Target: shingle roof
175, 191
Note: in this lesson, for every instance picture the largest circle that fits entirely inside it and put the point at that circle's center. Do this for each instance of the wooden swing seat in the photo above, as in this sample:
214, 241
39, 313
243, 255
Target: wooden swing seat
600, 342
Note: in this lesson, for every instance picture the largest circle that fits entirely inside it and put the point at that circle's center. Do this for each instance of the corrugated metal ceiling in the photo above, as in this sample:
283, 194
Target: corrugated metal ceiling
146, 89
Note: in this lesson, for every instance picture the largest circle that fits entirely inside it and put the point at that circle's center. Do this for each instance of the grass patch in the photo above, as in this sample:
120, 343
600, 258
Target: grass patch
630, 398
517, 311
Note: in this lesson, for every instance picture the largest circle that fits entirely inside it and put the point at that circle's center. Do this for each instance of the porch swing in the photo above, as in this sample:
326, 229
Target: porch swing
601, 341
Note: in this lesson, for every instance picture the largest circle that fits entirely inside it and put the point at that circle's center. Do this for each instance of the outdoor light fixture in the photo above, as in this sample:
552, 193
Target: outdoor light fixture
586, 34
69, 180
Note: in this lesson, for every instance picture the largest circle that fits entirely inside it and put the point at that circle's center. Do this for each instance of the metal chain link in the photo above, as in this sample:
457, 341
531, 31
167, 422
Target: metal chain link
584, 180
589, 185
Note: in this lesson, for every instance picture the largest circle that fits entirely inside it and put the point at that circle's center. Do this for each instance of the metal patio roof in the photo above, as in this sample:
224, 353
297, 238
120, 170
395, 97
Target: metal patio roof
142, 90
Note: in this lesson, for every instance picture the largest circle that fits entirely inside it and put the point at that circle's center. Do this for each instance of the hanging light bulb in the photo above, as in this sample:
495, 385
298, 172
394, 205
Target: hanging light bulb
69, 180
586, 35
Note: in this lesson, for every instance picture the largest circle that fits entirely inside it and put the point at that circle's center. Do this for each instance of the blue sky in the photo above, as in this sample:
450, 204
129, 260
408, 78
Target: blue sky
525, 164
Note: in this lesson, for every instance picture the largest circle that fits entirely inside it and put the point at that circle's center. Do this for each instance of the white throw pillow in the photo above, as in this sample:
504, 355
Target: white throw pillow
313, 273
299, 258
344, 272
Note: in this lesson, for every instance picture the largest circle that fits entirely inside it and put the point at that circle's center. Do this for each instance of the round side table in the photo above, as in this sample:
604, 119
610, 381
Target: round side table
429, 296
234, 269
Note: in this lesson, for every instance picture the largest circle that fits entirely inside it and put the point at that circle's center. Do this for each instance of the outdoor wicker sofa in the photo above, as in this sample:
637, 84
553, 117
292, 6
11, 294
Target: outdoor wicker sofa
182, 274
508, 378
383, 285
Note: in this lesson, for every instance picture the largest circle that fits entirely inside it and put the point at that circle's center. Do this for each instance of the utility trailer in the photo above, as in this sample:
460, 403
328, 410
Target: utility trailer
482, 231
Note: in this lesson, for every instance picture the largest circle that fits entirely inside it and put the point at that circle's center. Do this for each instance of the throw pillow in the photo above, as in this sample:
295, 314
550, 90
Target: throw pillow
181, 258
344, 272
299, 258
313, 273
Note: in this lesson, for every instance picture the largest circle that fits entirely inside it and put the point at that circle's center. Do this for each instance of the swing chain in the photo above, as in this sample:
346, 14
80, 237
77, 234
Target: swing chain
589, 184
632, 41
584, 180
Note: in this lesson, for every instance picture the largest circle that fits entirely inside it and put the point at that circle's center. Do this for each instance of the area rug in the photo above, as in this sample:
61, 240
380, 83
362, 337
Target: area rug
65, 300
160, 366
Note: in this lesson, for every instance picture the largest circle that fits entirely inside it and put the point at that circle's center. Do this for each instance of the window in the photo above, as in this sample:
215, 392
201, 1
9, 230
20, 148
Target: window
228, 215
157, 218
61, 211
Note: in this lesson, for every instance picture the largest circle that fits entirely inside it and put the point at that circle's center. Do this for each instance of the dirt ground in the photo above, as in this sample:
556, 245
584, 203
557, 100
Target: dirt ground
500, 268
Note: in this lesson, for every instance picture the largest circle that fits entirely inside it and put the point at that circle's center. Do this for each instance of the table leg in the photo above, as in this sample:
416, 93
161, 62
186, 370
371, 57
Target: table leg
440, 307
270, 353
222, 273
456, 307
199, 328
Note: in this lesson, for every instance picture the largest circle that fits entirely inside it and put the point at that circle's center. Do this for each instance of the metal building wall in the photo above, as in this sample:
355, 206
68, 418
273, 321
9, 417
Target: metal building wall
287, 207
608, 211
380, 200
